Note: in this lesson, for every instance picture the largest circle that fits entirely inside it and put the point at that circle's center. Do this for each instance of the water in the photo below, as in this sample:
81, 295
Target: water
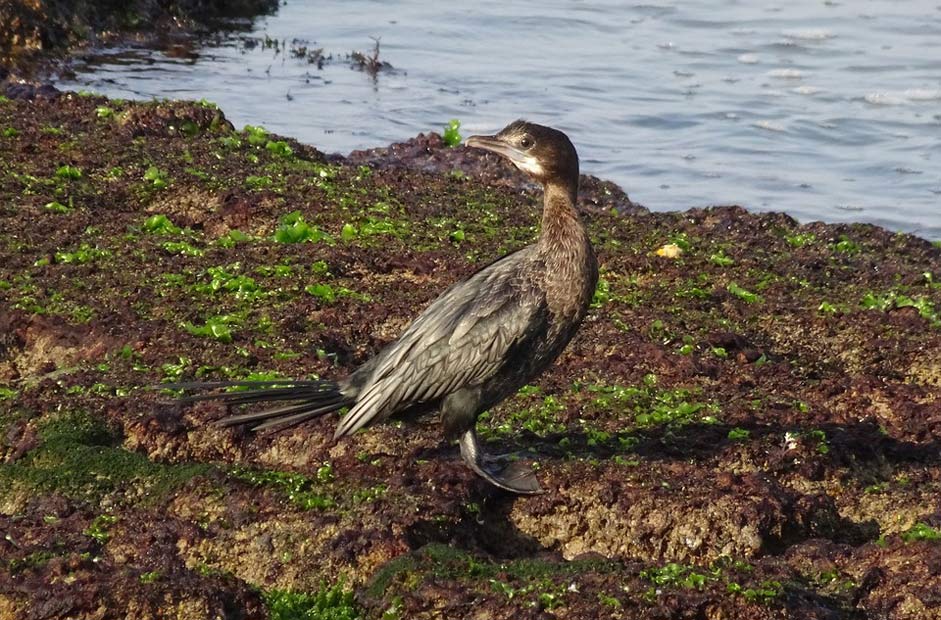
825, 110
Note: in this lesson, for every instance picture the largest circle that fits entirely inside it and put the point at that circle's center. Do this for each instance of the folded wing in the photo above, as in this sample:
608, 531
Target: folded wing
462, 339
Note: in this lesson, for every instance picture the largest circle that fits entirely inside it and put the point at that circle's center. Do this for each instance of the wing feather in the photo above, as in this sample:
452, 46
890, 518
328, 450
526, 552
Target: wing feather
461, 339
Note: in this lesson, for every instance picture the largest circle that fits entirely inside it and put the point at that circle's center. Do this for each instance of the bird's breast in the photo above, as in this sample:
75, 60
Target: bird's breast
570, 279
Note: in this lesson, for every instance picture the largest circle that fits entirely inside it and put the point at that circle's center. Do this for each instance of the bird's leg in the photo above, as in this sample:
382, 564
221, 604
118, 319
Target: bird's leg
459, 412
515, 476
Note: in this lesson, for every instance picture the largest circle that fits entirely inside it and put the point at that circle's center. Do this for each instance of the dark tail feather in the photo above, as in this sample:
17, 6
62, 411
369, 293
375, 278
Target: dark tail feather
312, 399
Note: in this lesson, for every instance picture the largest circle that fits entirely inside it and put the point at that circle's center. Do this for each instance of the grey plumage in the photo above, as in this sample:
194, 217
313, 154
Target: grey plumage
463, 338
477, 343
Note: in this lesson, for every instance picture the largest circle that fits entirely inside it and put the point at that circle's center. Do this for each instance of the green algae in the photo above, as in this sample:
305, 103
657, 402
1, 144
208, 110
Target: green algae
678, 575
79, 456
57, 207
182, 247
897, 299
451, 134
302, 491
85, 253
99, 528
540, 418
224, 279
744, 295
335, 602
528, 582
72, 173
293, 228
279, 148
160, 224
921, 531
650, 405
765, 592
219, 327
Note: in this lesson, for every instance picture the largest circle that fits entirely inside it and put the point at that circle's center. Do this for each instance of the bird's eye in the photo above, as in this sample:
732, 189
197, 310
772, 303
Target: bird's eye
526, 142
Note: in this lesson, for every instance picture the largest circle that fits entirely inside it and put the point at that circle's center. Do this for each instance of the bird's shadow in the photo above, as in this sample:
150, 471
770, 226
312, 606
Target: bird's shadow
860, 450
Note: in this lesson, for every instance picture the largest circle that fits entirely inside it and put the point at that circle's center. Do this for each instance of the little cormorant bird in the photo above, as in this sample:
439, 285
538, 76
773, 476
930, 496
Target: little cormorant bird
477, 343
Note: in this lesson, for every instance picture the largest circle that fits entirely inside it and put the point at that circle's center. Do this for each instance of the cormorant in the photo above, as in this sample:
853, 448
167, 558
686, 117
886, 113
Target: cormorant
477, 343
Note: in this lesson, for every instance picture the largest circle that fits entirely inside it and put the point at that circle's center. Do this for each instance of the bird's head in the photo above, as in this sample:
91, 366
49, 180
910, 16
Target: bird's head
545, 154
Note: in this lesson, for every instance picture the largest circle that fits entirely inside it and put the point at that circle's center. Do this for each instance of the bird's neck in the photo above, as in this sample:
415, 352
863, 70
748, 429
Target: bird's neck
571, 269
561, 226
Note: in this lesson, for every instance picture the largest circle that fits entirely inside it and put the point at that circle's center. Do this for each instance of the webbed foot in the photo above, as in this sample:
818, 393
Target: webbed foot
515, 476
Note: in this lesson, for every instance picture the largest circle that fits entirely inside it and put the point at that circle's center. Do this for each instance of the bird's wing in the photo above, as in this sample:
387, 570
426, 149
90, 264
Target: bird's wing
460, 340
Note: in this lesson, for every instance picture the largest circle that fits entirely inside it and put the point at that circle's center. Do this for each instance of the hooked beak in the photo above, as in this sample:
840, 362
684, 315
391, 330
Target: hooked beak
498, 146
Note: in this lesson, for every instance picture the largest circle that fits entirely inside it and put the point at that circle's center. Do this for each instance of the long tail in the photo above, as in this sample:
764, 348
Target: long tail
311, 399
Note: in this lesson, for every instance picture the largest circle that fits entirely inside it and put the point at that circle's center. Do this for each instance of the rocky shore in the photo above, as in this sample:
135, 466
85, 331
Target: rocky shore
747, 426
35, 34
